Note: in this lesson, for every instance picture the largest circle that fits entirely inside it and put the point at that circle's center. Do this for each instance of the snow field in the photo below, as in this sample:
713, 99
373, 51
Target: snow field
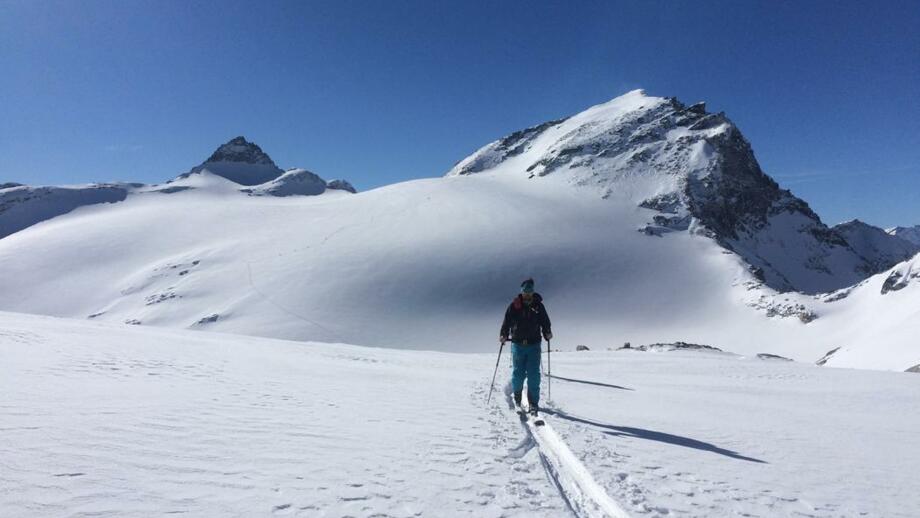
121, 421
112, 420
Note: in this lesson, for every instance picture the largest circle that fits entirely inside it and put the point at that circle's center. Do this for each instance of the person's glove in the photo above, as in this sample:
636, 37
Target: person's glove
548, 335
502, 339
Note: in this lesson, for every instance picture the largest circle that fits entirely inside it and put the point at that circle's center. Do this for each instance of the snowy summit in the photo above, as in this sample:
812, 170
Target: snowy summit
242, 162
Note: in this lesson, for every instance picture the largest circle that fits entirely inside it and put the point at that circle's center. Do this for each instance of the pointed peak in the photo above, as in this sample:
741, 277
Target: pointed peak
239, 161
240, 150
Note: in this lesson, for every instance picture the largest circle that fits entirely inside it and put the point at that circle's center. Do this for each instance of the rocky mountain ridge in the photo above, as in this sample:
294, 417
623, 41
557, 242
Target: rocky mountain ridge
694, 171
911, 234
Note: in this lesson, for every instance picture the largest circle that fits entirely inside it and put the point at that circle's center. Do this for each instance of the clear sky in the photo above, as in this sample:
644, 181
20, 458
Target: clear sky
378, 92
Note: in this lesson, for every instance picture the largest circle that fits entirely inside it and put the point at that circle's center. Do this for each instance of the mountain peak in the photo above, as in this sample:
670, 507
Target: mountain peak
239, 149
695, 172
240, 161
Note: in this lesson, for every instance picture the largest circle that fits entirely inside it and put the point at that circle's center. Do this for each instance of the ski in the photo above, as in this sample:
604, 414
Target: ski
527, 417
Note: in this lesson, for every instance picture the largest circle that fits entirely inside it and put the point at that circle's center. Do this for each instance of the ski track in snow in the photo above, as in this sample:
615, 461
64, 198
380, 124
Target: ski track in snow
581, 493
107, 420
122, 429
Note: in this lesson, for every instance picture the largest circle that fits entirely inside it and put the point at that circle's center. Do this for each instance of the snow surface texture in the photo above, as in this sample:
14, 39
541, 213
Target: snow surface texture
101, 419
694, 171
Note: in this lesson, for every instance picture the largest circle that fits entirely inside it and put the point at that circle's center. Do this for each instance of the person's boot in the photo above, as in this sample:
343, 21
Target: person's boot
533, 407
517, 398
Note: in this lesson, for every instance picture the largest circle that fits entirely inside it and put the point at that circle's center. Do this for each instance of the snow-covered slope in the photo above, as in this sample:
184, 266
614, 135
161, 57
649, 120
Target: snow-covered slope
691, 170
292, 182
231, 168
431, 264
879, 248
879, 319
22, 206
911, 234
102, 419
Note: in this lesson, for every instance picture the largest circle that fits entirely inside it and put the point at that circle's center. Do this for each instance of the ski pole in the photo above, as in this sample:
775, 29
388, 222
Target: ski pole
492, 387
549, 372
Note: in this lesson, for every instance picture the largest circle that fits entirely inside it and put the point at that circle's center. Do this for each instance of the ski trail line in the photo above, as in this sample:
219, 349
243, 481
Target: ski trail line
585, 496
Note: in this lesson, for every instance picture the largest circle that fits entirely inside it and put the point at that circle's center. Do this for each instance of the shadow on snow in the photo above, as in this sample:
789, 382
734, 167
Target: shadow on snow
597, 383
651, 435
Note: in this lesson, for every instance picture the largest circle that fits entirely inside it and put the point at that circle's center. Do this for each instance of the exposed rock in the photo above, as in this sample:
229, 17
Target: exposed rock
881, 249
239, 161
9, 185
678, 346
240, 150
512, 145
341, 185
911, 234
827, 356
784, 309
582, 348
915, 368
768, 356
210, 319
174, 189
157, 298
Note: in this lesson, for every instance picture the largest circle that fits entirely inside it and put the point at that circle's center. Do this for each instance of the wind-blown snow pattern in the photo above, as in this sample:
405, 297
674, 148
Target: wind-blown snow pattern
103, 419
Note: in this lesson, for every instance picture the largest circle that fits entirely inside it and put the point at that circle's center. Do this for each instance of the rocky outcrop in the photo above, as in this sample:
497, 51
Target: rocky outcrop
881, 249
773, 357
911, 234
901, 277
341, 185
827, 356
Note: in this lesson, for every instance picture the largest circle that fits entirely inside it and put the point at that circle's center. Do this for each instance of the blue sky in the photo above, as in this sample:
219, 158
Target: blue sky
827, 92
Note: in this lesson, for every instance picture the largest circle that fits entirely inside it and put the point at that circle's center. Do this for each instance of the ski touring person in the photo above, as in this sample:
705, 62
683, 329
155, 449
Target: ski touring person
526, 322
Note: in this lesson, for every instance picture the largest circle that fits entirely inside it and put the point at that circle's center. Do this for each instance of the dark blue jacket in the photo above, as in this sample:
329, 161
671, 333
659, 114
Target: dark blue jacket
526, 324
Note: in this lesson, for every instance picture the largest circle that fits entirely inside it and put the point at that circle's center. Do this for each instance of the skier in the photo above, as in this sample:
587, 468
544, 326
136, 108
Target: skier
525, 321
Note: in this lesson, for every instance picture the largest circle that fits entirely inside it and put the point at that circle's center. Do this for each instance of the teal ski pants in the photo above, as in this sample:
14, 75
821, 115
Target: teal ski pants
526, 363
